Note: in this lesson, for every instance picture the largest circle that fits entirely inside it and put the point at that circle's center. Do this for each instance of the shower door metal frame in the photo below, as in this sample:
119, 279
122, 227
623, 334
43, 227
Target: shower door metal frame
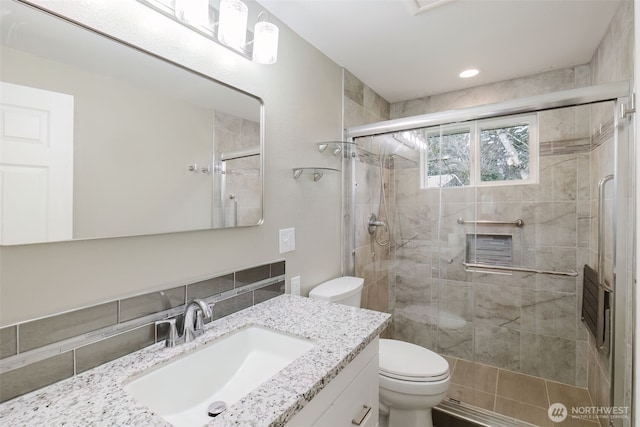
619, 93
623, 262
565, 98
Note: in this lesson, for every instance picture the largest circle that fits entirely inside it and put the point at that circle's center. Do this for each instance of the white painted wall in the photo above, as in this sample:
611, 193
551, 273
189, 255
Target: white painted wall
131, 151
302, 95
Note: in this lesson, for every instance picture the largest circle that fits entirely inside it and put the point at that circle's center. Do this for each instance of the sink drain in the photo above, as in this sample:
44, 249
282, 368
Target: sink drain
216, 408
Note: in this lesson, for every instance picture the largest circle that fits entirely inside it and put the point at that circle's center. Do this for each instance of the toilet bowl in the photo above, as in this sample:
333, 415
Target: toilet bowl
412, 379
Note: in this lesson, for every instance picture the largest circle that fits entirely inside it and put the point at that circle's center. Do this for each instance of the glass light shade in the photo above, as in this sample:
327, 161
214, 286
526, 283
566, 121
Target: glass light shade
193, 12
232, 28
265, 43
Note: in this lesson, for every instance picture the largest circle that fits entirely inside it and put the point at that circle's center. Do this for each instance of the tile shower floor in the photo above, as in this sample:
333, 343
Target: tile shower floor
519, 396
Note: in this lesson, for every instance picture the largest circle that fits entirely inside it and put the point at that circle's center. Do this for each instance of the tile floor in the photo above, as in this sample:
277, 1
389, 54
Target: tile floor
515, 395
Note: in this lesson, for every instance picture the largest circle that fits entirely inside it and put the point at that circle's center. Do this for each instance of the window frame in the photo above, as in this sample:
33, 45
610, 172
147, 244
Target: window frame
534, 149
440, 131
475, 128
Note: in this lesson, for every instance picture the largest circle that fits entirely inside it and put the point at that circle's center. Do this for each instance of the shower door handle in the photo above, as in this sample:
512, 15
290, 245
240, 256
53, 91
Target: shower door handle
601, 233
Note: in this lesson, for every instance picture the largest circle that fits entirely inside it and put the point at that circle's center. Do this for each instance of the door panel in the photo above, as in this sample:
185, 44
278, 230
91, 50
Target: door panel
36, 165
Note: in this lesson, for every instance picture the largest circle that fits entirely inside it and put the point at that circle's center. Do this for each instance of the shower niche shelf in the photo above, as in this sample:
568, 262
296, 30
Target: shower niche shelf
335, 147
316, 172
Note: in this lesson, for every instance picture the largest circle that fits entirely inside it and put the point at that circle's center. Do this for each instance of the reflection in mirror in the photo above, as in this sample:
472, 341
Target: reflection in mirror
99, 139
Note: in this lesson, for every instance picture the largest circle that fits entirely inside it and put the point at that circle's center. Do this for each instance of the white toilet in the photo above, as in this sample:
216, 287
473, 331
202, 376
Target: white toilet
412, 379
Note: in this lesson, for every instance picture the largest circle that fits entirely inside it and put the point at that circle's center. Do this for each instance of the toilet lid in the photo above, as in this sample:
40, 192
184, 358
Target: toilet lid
410, 362
336, 289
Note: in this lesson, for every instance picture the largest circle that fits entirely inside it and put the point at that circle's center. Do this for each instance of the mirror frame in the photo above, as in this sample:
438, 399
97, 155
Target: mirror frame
185, 68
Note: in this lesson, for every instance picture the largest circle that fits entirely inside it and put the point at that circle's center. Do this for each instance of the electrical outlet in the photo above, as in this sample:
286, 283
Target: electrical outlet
295, 285
287, 240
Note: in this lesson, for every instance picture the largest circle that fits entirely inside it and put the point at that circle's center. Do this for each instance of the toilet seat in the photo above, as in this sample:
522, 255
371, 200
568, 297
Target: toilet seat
414, 379
404, 361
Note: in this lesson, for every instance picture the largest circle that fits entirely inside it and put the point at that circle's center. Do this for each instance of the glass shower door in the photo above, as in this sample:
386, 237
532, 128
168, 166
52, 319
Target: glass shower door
488, 227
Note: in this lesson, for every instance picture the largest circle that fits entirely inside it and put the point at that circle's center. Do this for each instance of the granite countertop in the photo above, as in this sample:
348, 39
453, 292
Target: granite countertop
97, 397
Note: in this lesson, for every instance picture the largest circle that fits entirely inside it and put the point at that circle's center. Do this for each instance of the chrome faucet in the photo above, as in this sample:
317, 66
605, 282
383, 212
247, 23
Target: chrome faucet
194, 314
195, 327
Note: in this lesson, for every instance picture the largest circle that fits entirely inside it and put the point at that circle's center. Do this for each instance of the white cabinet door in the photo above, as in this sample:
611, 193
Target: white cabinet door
36, 165
357, 406
345, 396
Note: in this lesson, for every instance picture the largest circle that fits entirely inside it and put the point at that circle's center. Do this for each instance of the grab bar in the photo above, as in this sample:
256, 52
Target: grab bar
601, 232
518, 222
521, 269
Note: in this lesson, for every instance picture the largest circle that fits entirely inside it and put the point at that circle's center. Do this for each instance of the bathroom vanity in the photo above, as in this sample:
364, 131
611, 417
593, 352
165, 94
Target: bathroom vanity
332, 383
350, 399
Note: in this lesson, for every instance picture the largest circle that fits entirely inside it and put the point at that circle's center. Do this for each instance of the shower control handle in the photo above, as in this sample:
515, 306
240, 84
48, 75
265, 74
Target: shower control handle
374, 223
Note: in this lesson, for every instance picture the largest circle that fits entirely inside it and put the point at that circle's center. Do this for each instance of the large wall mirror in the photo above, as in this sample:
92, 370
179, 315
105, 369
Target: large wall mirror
100, 139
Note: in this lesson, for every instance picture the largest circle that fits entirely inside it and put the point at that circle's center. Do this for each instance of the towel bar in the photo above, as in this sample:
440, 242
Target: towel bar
518, 222
522, 269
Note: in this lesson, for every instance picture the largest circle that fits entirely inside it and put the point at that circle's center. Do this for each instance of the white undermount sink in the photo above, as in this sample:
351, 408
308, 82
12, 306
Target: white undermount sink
225, 370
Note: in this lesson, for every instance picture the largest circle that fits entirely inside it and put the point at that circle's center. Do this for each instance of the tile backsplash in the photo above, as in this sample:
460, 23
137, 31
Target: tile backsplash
41, 332
37, 353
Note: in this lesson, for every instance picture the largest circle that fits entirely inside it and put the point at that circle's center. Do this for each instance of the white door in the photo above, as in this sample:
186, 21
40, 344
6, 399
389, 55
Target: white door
36, 165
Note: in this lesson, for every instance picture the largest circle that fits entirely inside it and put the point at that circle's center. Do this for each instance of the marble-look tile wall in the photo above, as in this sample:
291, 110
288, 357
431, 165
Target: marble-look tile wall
524, 322
237, 193
538, 84
613, 61
372, 261
361, 104
521, 322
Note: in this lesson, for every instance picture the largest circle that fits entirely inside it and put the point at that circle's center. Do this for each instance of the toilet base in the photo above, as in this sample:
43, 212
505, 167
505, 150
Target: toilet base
410, 418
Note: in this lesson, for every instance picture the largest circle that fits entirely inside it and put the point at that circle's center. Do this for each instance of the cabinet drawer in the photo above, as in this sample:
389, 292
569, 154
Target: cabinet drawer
362, 393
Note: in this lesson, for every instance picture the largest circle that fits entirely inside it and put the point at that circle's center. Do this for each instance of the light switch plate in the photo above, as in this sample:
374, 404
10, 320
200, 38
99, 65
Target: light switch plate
287, 240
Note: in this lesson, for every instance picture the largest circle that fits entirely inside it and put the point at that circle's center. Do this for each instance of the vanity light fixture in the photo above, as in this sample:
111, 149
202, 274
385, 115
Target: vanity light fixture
265, 41
472, 72
229, 29
193, 12
232, 25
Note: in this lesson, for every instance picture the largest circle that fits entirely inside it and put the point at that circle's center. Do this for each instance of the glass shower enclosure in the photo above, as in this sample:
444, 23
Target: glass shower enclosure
479, 230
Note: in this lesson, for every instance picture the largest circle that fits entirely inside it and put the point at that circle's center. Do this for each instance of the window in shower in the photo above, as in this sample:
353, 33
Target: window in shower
446, 161
481, 153
506, 150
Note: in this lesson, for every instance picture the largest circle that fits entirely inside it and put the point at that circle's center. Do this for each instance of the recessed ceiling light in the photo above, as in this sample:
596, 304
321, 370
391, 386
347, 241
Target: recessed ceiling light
472, 72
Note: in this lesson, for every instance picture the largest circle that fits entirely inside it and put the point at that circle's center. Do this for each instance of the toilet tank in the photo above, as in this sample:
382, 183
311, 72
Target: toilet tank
345, 290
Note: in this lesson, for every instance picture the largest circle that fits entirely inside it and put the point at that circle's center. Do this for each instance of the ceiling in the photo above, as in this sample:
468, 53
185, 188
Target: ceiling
403, 52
